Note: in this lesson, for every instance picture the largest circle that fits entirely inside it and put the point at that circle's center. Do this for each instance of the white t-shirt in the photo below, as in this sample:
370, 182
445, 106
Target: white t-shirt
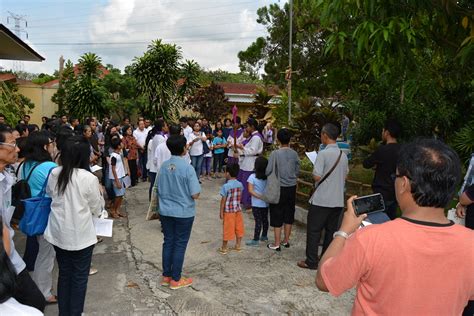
13, 307
119, 167
150, 165
140, 136
187, 131
209, 144
196, 148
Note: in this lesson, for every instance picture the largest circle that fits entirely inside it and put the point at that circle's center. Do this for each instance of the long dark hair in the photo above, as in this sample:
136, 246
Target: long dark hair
74, 155
261, 164
7, 273
158, 127
35, 147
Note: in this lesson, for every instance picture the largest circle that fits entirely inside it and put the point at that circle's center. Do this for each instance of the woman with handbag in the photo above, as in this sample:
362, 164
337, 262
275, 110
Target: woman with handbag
39, 254
76, 199
286, 164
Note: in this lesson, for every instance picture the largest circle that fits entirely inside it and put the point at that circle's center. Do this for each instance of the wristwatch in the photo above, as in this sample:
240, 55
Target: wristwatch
340, 233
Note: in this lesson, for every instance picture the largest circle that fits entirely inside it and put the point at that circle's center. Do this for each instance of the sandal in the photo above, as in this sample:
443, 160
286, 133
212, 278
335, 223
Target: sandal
238, 249
223, 251
122, 215
114, 216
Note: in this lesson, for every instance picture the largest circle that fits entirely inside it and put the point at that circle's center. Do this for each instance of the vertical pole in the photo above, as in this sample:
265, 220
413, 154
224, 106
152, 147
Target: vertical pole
290, 65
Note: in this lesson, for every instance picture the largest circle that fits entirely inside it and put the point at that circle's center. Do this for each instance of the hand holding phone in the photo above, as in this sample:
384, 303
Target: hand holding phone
368, 204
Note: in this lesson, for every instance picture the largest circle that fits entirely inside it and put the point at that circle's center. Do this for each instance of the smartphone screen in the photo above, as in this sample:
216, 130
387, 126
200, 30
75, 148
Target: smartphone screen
369, 204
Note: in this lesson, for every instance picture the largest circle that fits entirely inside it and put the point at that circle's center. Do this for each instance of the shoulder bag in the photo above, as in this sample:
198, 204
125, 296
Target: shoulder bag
271, 194
37, 211
329, 172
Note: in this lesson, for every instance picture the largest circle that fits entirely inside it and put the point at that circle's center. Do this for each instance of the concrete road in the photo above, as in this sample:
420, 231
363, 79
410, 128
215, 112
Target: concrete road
254, 281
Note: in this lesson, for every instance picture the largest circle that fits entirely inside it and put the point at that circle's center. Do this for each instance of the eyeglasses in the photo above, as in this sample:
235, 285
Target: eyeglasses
14, 145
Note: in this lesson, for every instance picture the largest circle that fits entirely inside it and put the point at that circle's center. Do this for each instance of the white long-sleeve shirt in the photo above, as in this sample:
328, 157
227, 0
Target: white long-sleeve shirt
250, 152
152, 145
70, 225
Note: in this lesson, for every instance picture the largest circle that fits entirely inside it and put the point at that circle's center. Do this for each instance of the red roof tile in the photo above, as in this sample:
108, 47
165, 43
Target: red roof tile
7, 77
245, 88
51, 83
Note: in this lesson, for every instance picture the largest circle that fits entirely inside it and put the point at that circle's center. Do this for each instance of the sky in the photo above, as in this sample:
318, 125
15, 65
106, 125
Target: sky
211, 32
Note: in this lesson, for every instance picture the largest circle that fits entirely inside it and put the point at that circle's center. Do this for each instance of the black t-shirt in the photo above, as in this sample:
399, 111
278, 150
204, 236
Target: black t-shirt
385, 161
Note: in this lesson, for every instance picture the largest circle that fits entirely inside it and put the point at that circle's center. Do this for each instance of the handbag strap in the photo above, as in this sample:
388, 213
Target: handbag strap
330, 171
31, 171
43, 189
18, 169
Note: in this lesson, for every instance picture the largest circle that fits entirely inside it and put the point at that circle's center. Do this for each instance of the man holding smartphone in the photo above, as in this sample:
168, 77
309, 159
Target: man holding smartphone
416, 264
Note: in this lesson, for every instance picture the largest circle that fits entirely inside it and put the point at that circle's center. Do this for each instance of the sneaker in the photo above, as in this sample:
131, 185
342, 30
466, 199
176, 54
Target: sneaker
183, 282
285, 244
264, 238
93, 271
165, 281
253, 243
273, 247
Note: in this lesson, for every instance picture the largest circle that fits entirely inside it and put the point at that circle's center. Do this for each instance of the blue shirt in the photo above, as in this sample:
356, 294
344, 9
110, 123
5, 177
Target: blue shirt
177, 183
218, 141
38, 177
259, 187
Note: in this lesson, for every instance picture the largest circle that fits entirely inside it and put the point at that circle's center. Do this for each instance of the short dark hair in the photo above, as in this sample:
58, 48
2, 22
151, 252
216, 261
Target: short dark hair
233, 169
284, 136
393, 127
115, 142
2, 115
4, 129
331, 130
252, 122
219, 130
434, 171
183, 119
175, 130
35, 144
176, 144
237, 120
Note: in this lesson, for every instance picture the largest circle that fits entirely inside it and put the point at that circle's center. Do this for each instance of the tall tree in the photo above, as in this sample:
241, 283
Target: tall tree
261, 99
210, 102
13, 104
86, 97
158, 73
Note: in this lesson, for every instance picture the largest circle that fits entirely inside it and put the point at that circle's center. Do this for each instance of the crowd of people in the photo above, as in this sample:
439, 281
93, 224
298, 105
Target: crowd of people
86, 168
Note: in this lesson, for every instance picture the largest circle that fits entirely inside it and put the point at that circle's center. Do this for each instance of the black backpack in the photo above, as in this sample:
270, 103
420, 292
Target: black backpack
20, 191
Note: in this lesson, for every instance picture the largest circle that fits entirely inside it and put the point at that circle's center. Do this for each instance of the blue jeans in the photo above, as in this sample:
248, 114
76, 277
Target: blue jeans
176, 233
152, 183
74, 269
196, 161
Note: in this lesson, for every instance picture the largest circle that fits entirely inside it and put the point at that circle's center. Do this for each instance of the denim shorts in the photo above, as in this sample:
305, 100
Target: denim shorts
119, 192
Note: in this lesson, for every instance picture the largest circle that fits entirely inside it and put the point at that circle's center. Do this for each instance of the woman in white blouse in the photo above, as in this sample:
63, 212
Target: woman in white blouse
76, 199
196, 150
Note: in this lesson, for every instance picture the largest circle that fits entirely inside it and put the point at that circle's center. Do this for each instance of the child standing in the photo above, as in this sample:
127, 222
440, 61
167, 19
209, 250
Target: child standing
256, 183
117, 174
219, 145
207, 160
230, 211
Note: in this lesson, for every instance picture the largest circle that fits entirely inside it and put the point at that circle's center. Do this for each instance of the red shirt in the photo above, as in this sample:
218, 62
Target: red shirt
405, 268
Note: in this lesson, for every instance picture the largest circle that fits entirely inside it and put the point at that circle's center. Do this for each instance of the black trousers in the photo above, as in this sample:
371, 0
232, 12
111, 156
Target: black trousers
132, 164
320, 217
28, 293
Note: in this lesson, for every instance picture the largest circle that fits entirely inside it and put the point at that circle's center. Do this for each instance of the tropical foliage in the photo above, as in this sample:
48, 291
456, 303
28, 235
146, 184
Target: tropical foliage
13, 104
210, 101
261, 99
163, 79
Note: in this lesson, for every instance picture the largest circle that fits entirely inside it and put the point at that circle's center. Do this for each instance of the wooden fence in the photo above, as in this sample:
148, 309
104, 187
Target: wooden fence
305, 184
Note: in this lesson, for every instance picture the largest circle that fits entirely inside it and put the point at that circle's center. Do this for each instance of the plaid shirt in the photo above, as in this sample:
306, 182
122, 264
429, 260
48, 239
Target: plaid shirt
232, 191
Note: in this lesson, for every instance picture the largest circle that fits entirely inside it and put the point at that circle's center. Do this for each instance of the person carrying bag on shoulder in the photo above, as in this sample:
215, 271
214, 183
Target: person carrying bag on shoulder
282, 171
327, 202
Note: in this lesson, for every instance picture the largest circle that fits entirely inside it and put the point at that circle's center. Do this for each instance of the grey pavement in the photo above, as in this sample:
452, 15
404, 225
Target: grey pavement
254, 281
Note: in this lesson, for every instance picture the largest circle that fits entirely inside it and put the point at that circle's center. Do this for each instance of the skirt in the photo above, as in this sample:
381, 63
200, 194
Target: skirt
246, 197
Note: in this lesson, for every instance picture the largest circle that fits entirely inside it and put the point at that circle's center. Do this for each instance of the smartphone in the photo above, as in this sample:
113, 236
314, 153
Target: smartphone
369, 204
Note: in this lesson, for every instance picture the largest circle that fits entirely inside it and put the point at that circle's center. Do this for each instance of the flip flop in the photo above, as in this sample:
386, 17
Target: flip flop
236, 249
223, 251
